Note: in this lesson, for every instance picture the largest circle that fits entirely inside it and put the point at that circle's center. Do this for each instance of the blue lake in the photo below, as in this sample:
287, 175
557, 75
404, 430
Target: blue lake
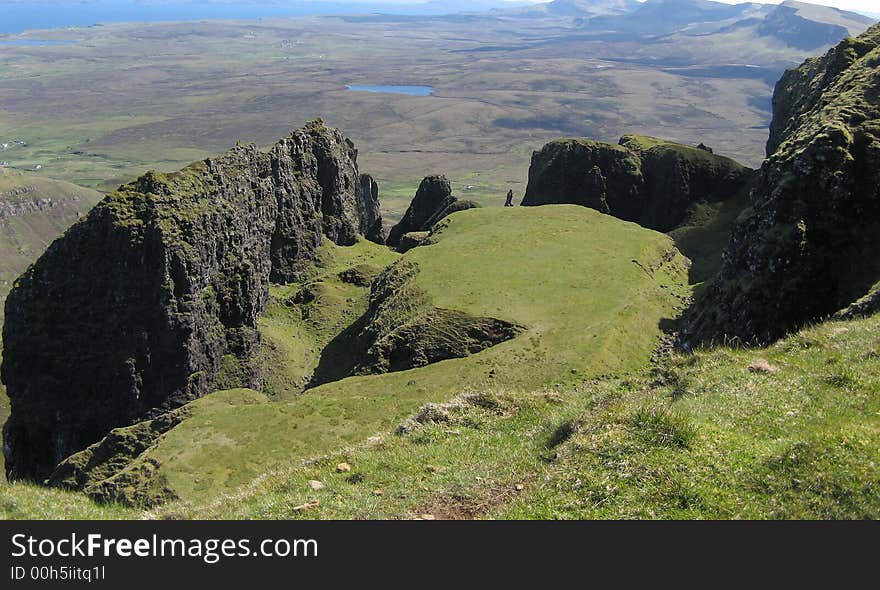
410, 90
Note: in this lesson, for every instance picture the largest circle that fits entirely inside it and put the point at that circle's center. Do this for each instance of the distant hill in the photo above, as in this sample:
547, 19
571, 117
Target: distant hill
579, 8
658, 17
796, 24
807, 26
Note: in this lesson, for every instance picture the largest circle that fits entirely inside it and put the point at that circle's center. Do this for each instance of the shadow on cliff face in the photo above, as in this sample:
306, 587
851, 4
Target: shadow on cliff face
704, 234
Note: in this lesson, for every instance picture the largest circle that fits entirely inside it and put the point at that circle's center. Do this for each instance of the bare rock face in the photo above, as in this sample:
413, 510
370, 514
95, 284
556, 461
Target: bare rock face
142, 304
368, 210
433, 202
643, 179
808, 245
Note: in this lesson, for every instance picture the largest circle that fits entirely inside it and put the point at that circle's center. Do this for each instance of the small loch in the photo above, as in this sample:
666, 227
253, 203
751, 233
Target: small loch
409, 90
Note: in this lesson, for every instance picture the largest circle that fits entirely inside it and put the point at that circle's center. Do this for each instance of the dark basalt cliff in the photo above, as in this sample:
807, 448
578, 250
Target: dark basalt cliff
368, 210
433, 201
808, 244
642, 179
141, 305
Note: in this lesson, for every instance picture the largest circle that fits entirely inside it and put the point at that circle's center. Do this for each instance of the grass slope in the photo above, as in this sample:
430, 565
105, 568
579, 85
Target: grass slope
295, 334
704, 233
590, 290
21, 501
700, 437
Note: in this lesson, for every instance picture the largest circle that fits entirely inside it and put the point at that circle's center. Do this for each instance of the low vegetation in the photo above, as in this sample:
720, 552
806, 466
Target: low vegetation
700, 436
589, 291
23, 501
787, 431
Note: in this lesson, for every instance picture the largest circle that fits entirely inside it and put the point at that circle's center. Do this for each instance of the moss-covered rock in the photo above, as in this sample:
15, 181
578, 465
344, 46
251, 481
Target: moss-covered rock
643, 179
807, 245
411, 240
141, 304
368, 210
402, 329
111, 460
433, 201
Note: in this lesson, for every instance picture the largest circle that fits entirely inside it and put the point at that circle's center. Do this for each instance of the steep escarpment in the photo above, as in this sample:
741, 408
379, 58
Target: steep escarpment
642, 179
142, 305
807, 245
433, 201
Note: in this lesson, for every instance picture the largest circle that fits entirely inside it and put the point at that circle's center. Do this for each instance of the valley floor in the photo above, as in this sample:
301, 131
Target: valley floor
124, 98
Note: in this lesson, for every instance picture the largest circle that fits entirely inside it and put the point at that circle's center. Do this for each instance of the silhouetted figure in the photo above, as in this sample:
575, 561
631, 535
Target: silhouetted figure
509, 201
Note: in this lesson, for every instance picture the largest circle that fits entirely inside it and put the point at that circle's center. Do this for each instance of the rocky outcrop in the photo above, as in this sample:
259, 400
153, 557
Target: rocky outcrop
99, 468
368, 210
808, 244
138, 306
642, 179
402, 329
413, 239
18, 208
433, 202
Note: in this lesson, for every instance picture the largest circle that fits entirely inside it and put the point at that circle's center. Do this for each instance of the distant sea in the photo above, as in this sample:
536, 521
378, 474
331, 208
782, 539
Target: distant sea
16, 17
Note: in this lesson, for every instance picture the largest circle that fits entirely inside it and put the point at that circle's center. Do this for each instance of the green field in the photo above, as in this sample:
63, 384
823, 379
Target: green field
695, 436
786, 431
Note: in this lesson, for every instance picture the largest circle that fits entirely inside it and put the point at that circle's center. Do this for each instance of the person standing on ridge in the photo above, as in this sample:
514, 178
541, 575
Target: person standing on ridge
509, 201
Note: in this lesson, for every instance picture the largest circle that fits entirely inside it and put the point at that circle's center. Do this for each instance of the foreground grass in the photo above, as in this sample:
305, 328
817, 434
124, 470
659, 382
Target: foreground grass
19, 501
795, 436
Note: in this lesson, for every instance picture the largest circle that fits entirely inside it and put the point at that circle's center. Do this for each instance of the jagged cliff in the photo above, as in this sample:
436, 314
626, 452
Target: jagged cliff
650, 181
807, 245
140, 306
433, 201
